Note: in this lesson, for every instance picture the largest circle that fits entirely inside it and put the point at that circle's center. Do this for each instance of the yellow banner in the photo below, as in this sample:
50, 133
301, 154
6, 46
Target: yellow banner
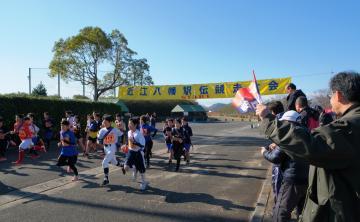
200, 91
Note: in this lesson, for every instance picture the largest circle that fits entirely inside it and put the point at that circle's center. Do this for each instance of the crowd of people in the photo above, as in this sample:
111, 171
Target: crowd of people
102, 135
290, 176
315, 153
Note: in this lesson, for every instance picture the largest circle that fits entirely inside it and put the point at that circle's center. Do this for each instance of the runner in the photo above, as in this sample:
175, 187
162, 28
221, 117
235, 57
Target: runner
177, 142
110, 139
4, 140
22, 128
78, 133
92, 136
48, 131
146, 130
168, 137
187, 131
37, 143
135, 157
68, 154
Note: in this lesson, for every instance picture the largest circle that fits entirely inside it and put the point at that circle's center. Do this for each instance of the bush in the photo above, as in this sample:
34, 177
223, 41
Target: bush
81, 97
39, 90
11, 105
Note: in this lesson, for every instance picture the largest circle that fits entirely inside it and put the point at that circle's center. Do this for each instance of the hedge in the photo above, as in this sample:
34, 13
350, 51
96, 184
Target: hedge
162, 108
12, 105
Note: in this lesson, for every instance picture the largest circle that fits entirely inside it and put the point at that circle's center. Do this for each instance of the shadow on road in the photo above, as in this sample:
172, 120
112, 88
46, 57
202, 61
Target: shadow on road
170, 197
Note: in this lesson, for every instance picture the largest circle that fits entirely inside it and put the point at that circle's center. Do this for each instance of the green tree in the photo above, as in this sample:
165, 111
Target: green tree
39, 90
79, 57
139, 73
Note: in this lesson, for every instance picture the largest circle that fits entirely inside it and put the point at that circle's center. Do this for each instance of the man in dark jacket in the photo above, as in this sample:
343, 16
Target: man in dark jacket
293, 94
332, 150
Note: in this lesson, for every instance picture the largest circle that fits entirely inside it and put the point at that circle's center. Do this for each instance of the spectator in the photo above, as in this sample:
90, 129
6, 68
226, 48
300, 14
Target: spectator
309, 117
332, 150
293, 94
325, 117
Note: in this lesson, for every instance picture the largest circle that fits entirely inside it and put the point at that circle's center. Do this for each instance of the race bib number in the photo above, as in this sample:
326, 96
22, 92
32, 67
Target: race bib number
131, 145
22, 134
109, 139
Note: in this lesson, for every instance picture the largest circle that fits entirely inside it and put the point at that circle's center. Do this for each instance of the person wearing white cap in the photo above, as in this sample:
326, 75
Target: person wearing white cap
291, 116
294, 173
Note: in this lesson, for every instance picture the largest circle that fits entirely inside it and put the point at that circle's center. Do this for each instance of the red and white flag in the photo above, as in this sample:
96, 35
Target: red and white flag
246, 99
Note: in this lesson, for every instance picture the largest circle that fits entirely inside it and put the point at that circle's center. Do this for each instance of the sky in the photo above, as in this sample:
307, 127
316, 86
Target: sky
189, 41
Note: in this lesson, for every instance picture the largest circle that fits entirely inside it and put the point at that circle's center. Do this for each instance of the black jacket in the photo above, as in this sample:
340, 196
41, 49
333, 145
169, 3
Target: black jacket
306, 114
291, 98
187, 131
295, 171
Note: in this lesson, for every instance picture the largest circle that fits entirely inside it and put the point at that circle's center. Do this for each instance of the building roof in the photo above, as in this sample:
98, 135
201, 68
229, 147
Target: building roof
188, 108
123, 107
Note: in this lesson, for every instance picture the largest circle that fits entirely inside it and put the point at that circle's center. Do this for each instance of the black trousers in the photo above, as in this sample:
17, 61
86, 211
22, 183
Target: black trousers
147, 151
178, 152
291, 195
68, 161
3, 147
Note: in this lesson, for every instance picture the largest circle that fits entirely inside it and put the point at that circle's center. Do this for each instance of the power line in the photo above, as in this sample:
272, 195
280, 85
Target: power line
38, 68
314, 74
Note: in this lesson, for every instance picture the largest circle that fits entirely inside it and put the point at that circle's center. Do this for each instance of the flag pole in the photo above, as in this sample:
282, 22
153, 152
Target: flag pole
257, 88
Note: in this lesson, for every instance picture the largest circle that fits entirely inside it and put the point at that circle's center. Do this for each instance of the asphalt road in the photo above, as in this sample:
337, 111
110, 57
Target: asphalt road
222, 183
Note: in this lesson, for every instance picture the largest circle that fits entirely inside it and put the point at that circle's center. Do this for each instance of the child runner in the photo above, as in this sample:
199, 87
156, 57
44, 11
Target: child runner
37, 142
110, 139
135, 157
187, 131
99, 124
177, 142
15, 133
146, 130
171, 125
86, 132
70, 118
121, 126
167, 136
153, 120
22, 127
92, 136
48, 131
68, 155
78, 133
4, 139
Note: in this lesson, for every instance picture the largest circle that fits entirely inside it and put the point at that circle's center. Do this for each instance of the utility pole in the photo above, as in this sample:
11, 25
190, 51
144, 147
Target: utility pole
29, 77
59, 84
83, 83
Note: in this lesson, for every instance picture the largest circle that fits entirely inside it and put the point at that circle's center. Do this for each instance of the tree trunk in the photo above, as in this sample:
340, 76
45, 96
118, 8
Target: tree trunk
96, 91
96, 95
